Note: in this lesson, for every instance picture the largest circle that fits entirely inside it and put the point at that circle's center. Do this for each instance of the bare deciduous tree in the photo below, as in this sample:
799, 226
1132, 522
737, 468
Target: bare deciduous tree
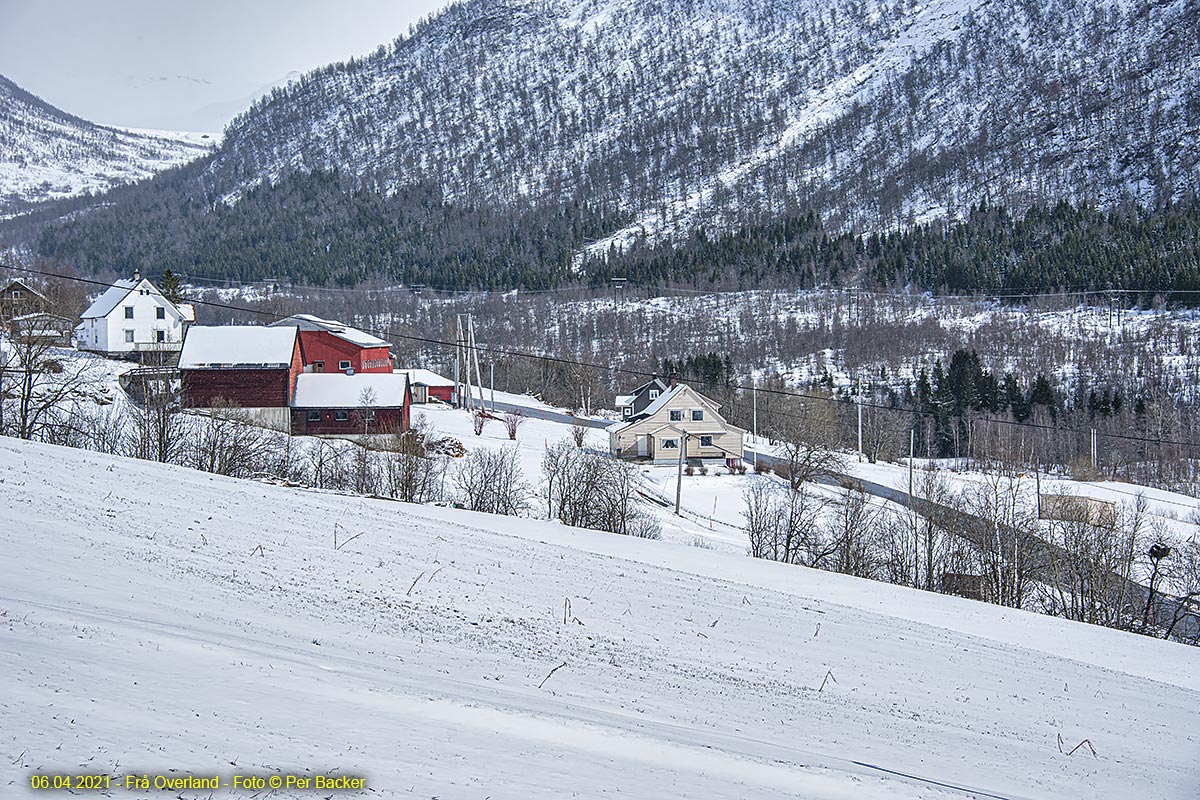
512, 421
490, 480
588, 490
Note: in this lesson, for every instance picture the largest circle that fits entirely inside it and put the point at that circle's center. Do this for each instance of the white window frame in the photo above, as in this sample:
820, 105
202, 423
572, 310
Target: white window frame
128, 312
128, 335
160, 313
345, 365
668, 444
706, 441
341, 416
697, 415
654, 394
313, 416
676, 415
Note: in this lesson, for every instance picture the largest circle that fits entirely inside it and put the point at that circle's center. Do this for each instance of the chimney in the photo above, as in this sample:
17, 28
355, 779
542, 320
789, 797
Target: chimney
137, 276
674, 378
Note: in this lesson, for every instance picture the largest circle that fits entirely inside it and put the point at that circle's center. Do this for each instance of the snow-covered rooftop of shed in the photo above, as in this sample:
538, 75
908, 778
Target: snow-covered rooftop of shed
308, 322
335, 390
237, 345
426, 377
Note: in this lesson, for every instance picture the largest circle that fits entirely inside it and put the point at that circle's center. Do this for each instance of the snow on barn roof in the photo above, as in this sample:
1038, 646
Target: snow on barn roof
307, 322
236, 345
335, 390
425, 377
106, 302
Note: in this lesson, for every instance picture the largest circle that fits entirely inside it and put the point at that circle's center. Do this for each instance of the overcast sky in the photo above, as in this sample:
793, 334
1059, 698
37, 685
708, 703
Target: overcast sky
183, 65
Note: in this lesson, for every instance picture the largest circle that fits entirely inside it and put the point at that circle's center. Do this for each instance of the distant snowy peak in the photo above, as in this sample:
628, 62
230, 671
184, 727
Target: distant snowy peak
679, 113
46, 153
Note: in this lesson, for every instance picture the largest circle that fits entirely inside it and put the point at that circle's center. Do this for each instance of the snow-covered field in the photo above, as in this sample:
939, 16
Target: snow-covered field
146, 630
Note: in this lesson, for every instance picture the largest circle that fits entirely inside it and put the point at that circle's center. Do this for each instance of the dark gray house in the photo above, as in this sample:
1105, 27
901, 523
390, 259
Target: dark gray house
630, 405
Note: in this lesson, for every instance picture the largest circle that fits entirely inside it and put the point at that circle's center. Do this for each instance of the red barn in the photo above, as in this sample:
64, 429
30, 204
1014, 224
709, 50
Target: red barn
344, 405
241, 366
330, 346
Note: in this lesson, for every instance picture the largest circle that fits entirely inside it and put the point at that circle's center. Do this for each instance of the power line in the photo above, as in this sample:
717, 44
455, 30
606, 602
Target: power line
493, 350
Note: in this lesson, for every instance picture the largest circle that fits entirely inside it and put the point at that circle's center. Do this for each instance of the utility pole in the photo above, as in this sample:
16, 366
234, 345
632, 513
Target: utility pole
679, 471
492, 366
912, 509
860, 447
456, 398
475, 352
754, 394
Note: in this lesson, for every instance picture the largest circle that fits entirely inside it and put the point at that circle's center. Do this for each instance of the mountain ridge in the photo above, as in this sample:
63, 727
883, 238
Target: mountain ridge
50, 154
669, 117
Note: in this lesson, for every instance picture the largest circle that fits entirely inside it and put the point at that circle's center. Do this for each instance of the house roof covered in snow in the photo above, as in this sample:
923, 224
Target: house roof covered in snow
213, 347
103, 305
361, 390
307, 322
17, 282
112, 296
662, 400
426, 377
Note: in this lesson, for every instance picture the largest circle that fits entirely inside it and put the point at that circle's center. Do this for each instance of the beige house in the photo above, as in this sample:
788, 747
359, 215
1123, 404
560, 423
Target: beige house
679, 417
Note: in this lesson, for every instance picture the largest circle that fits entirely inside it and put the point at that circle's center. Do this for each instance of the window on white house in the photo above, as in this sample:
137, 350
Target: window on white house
341, 416
670, 444
676, 415
129, 336
160, 313
160, 336
697, 414
706, 441
314, 416
343, 365
128, 312
654, 394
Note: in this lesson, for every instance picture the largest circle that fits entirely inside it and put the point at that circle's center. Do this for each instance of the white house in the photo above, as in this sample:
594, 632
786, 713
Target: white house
678, 417
132, 316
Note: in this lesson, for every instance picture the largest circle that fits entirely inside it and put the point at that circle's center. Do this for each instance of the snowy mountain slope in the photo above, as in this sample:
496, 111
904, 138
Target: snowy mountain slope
144, 630
684, 113
48, 154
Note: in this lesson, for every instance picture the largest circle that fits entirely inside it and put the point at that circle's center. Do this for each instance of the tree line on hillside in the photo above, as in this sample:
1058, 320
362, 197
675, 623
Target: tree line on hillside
318, 230
1047, 249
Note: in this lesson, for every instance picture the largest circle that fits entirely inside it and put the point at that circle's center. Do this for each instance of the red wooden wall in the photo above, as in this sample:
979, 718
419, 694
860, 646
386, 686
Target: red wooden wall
324, 346
387, 420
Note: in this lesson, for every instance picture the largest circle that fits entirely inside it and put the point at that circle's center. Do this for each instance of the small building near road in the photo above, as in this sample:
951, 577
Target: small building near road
242, 366
350, 405
331, 346
679, 417
132, 317
426, 385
